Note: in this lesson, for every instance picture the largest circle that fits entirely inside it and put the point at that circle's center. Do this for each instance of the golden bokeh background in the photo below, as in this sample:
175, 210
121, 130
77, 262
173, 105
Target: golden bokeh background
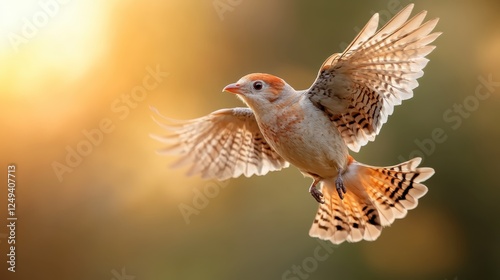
71, 68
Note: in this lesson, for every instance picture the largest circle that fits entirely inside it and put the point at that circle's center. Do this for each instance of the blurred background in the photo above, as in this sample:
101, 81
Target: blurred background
94, 200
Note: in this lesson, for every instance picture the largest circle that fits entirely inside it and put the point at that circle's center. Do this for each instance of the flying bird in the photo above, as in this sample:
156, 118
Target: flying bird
314, 129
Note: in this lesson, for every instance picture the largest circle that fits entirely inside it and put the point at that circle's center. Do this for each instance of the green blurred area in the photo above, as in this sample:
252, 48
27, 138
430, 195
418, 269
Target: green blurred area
119, 206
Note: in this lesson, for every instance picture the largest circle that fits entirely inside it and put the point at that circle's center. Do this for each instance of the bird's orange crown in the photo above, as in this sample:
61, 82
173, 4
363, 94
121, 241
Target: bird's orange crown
276, 84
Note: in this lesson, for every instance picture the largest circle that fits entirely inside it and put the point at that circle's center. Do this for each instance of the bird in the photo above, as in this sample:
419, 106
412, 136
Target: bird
313, 129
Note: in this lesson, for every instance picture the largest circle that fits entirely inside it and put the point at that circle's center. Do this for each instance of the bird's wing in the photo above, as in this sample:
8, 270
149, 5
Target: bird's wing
225, 144
359, 88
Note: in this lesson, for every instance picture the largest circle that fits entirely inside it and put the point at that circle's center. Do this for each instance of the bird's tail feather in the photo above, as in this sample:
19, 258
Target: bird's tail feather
375, 197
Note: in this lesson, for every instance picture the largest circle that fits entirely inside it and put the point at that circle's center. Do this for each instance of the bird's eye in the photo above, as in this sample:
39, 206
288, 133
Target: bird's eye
257, 85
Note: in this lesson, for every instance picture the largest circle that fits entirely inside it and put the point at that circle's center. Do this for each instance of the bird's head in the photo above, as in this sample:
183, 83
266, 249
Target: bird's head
259, 91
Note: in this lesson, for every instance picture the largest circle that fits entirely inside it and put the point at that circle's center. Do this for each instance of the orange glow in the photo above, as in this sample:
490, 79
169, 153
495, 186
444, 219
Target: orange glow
77, 79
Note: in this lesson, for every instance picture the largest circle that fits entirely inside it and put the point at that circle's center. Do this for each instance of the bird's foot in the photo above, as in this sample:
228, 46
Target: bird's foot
316, 193
339, 184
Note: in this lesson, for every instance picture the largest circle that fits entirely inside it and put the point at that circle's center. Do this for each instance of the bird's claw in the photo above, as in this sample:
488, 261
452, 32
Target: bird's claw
316, 194
339, 184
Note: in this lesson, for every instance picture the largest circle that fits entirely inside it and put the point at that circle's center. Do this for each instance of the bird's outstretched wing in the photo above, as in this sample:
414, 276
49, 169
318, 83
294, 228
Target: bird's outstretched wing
225, 144
359, 88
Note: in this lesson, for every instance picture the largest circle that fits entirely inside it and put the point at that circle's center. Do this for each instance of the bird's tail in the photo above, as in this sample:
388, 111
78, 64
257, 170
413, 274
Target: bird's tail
375, 197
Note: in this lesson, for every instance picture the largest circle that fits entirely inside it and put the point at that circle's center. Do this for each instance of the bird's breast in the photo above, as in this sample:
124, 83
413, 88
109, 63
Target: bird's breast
305, 137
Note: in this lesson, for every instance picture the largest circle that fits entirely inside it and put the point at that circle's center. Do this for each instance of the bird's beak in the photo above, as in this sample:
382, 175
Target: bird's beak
233, 88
